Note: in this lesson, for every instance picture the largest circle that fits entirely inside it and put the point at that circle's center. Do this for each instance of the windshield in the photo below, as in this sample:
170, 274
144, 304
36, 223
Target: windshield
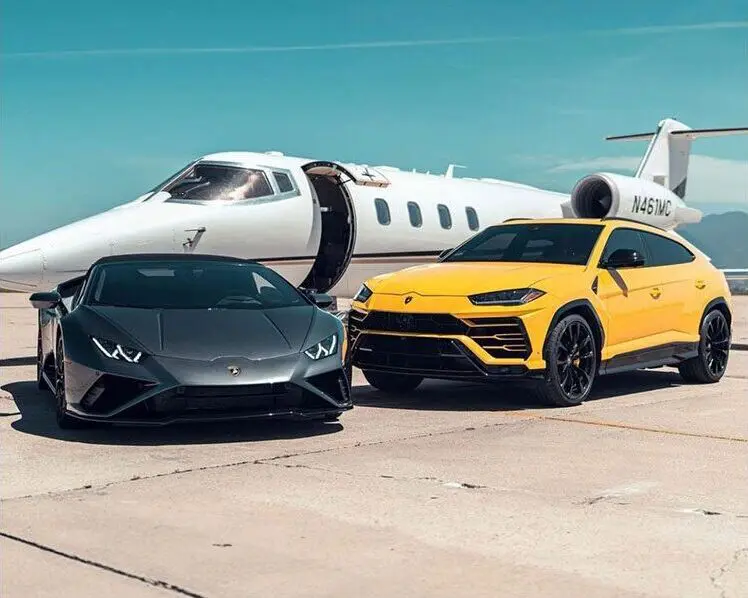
530, 242
198, 284
208, 182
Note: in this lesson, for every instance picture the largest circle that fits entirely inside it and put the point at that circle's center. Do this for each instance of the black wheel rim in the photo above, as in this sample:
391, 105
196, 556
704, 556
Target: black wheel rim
716, 345
575, 360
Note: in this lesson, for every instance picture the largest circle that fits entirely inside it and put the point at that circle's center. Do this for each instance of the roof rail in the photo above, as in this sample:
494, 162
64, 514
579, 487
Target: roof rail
632, 220
514, 219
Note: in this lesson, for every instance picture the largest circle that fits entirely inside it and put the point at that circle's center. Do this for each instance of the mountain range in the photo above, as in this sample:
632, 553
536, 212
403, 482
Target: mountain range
723, 237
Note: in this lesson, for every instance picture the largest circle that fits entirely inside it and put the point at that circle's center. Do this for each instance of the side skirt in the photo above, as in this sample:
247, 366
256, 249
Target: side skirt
670, 354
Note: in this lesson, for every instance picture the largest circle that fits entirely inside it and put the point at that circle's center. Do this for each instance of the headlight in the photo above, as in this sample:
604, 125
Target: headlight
117, 351
324, 348
363, 294
510, 297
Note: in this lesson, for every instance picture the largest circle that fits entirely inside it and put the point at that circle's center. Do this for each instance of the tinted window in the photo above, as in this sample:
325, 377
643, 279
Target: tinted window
545, 243
190, 284
624, 238
284, 182
206, 182
383, 211
414, 212
445, 218
665, 252
472, 218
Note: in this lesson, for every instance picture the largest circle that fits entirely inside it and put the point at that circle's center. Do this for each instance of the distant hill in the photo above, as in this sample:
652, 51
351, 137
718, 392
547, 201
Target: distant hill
723, 237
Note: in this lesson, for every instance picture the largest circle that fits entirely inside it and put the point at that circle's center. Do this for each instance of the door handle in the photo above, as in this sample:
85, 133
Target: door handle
700, 284
192, 240
655, 293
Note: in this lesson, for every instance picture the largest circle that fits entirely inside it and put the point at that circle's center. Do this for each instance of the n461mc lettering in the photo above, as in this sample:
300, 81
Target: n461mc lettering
651, 205
613, 195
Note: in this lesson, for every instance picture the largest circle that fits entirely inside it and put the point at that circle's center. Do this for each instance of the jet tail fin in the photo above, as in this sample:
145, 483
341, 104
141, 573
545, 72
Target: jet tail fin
666, 160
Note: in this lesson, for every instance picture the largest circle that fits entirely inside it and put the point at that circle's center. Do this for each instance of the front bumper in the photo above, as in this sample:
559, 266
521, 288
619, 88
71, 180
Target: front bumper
473, 347
165, 390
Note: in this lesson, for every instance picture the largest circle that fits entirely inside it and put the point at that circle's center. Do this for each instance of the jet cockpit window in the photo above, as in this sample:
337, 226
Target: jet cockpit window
284, 182
209, 182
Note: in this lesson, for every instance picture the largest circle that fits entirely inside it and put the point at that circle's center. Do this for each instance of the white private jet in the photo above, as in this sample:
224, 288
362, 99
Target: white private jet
328, 226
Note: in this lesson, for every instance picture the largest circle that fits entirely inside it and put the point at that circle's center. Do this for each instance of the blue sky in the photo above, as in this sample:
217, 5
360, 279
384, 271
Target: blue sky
101, 100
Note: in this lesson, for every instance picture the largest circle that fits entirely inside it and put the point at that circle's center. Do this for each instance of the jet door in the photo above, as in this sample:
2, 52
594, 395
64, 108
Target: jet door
332, 188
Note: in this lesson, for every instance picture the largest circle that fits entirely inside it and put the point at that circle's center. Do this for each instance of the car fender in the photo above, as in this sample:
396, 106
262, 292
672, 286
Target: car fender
717, 301
570, 307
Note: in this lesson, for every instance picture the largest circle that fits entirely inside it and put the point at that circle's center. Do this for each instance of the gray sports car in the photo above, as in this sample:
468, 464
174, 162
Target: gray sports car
152, 339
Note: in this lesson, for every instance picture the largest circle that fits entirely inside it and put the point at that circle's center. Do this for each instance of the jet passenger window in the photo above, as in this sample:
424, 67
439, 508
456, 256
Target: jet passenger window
208, 182
664, 252
414, 212
445, 218
624, 238
383, 211
472, 218
284, 182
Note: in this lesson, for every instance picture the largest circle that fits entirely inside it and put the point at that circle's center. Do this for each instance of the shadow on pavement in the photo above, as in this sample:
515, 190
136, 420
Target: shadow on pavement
456, 396
17, 361
38, 418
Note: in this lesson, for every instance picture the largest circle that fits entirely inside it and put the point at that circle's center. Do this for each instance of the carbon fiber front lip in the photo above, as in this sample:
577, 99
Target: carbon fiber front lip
290, 414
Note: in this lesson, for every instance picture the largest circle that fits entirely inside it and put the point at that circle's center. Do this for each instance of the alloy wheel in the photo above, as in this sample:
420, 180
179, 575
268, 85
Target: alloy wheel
575, 360
717, 345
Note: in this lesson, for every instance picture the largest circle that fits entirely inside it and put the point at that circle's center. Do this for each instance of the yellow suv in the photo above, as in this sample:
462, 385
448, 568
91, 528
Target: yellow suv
556, 301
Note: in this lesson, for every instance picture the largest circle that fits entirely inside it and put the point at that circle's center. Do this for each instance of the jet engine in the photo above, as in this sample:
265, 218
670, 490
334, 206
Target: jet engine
610, 195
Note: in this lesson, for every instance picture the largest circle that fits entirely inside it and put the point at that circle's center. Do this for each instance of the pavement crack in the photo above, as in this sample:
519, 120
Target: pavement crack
608, 424
265, 460
157, 583
717, 577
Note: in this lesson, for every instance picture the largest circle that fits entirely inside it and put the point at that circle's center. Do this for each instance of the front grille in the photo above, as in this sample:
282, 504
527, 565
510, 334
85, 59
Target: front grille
245, 398
385, 321
421, 355
500, 337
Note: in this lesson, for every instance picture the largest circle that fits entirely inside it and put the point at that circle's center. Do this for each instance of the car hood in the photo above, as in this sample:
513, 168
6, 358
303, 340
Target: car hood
467, 278
212, 333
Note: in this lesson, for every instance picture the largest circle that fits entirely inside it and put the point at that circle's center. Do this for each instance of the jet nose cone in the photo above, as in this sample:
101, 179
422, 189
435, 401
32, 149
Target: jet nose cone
20, 271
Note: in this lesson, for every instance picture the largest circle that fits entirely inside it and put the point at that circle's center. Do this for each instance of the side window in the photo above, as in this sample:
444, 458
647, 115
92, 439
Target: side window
666, 252
445, 218
383, 211
472, 218
624, 238
414, 212
284, 182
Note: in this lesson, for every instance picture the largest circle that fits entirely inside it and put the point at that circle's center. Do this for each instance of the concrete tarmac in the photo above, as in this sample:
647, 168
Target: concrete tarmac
452, 490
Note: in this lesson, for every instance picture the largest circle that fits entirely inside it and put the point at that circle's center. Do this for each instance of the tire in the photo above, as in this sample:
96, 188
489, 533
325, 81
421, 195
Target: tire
333, 417
571, 363
710, 364
64, 420
41, 384
394, 383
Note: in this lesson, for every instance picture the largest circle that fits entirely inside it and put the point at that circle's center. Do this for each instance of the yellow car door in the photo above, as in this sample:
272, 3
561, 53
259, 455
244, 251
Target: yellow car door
632, 294
673, 265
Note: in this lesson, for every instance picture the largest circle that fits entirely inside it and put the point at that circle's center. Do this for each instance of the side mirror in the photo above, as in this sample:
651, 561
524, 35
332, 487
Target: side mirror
45, 300
321, 299
444, 253
624, 258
